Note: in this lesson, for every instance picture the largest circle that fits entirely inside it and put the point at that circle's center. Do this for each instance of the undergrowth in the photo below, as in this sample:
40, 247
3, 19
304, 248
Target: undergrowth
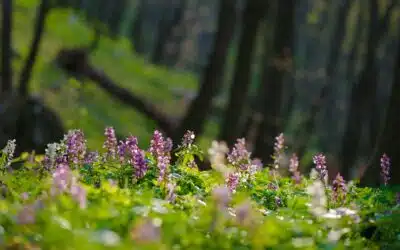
126, 197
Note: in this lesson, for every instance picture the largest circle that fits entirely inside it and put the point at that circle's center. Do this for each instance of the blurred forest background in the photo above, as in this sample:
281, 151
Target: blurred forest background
324, 73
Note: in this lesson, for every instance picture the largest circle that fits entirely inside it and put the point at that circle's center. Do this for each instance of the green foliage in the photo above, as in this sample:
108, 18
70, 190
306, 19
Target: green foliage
119, 211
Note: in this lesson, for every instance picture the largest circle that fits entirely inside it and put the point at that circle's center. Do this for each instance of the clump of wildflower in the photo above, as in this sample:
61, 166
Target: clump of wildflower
385, 168
65, 182
256, 165
239, 156
110, 143
162, 154
61, 179
188, 139
76, 146
294, 168
51, 154
136, 157
9, 150
339, 188
217, 153
320, 165
318, 198
278, 149
232, 181
138, 162
91, 157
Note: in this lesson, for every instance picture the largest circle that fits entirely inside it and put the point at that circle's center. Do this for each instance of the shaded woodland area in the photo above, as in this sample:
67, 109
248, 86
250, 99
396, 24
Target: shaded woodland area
324, 73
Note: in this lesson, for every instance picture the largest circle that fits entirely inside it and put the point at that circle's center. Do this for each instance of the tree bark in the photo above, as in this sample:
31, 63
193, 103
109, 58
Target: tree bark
165, 31
254, 12
272, 79
389, 142
137, 29
363, 95
333, 57
6, 49
37, 36
213, 74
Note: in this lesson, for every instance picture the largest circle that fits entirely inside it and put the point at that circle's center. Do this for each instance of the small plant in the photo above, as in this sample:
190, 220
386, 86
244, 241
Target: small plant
124, 197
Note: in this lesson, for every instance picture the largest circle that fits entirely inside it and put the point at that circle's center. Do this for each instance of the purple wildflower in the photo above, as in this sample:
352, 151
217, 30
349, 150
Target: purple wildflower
159, 148
157, 144
76, 146
239, 156
339, 187
139, 162
320, 165
385, 168
111, 142
188, 139
79, 194
232, 181
61, 178
278, 149
91, 157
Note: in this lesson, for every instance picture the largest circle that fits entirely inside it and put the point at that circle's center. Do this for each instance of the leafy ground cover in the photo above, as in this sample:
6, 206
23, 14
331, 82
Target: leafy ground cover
123, 196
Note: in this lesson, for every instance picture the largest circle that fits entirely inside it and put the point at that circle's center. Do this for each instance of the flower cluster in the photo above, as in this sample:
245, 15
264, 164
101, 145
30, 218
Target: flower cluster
76, 146
320, 165
339, 188
65, 182
130, 151
239, 156
111, 142
278, 149
385, 168
232, 180
188, 139
160, 149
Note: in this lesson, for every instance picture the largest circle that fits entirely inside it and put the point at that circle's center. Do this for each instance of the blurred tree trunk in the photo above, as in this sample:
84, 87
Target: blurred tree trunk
212, 78
137, 28
115, 14
6, 49
331, 67
166, 29
389, 142
254, 12
273, 78
23, 117
363, 94
34, 50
